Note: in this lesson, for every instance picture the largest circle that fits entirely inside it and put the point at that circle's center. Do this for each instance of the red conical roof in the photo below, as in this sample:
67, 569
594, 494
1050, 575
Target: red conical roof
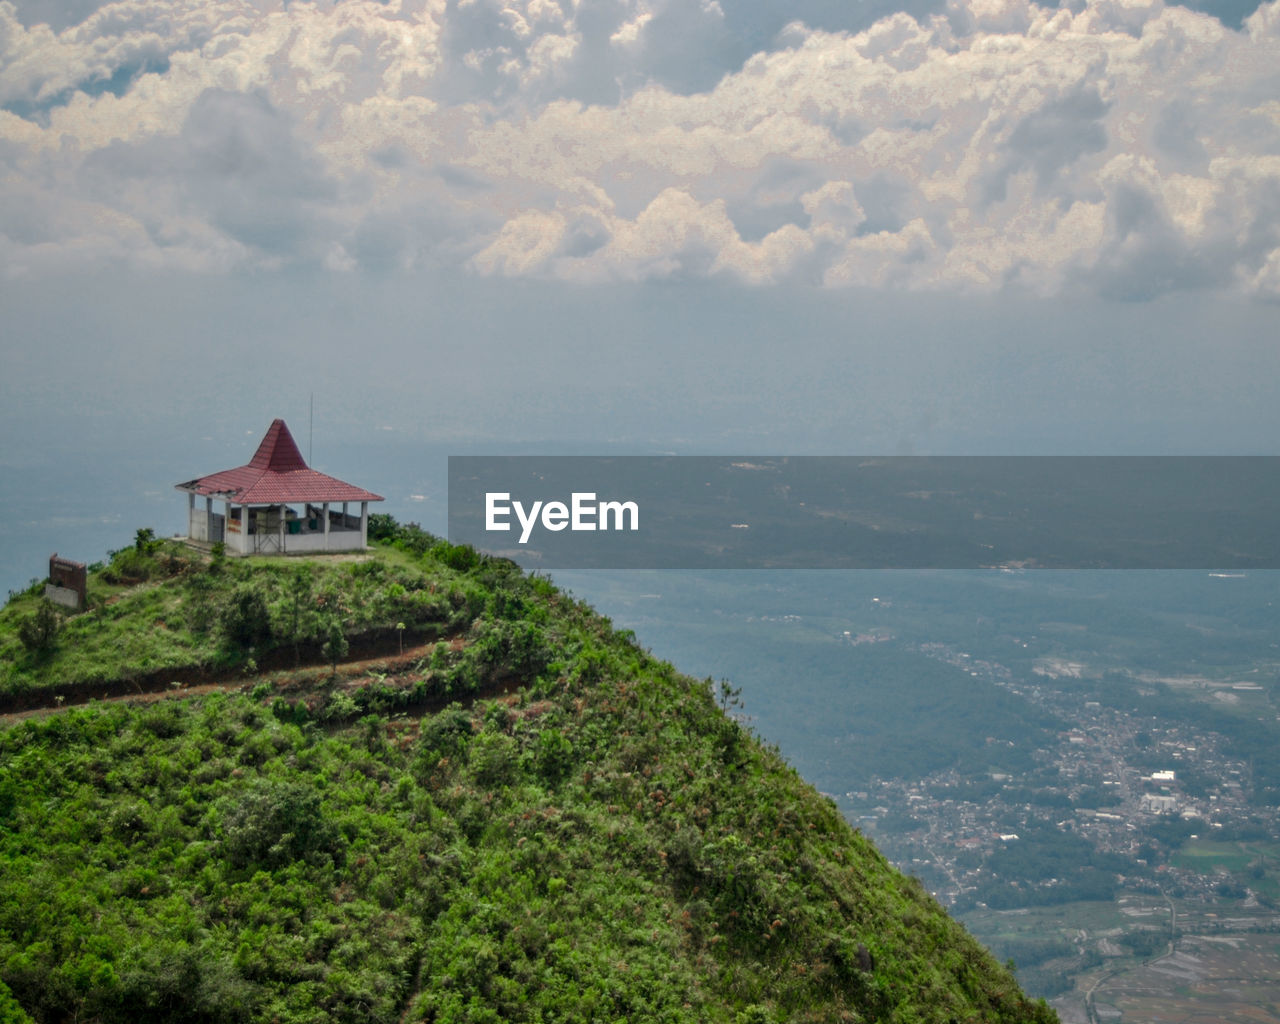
278, 452
276, 475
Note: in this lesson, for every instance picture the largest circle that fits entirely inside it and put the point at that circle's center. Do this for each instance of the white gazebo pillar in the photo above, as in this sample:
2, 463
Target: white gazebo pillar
191, 511
326, 526
364, 524
282, 529
208, 519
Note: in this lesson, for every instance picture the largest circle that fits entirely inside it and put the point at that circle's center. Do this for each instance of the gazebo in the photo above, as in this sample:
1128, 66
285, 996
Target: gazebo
277, 504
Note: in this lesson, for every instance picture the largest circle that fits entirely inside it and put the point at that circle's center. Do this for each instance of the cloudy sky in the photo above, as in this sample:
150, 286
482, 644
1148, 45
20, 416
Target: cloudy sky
884, 225
1119, 148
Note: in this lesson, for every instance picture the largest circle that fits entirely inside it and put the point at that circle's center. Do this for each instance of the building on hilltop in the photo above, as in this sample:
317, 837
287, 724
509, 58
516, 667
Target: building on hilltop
277, 504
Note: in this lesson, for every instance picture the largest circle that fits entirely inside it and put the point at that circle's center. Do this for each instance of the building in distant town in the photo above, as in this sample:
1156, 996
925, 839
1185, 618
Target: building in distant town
277, 504
1160, 803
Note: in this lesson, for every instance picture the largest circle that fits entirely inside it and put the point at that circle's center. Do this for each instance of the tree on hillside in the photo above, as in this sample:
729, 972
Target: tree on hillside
335, 646
39, 630
299, 609
246, 621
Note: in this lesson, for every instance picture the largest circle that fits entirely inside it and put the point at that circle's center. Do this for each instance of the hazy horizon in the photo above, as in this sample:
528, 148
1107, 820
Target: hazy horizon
939, 228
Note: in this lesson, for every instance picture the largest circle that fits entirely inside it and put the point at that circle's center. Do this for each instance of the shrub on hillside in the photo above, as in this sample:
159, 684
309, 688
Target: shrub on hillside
276, 823
39, 630
246, 620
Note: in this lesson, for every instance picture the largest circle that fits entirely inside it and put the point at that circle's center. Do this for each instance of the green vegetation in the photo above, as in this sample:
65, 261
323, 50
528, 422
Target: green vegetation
159, 609
588, 837
1205, 856
1045, 867
39, 630
1243, 868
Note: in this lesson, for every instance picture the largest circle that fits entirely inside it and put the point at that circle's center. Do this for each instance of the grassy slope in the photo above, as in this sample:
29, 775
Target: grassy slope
168, 619
605, 845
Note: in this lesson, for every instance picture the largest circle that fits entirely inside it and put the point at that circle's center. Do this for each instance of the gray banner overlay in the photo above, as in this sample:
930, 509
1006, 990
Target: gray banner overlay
848, 512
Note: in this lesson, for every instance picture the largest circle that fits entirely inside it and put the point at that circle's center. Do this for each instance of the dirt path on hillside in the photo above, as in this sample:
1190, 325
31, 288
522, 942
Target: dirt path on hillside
284, 681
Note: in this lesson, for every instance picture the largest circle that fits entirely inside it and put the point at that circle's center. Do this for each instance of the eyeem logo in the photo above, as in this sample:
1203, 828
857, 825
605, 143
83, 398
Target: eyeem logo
583, 513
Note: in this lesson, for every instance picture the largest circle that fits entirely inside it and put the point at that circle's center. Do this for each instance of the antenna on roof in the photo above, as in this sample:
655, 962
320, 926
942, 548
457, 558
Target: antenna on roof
311, 426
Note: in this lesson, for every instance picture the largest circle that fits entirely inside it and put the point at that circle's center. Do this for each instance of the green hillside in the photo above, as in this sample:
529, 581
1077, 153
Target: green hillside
527, 818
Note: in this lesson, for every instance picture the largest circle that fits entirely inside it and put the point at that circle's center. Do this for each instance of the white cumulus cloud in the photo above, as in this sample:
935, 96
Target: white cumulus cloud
1116, 146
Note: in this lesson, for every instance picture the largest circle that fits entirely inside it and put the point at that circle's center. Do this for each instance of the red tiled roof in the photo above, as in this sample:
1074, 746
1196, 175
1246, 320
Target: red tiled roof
277, 452
276, 474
